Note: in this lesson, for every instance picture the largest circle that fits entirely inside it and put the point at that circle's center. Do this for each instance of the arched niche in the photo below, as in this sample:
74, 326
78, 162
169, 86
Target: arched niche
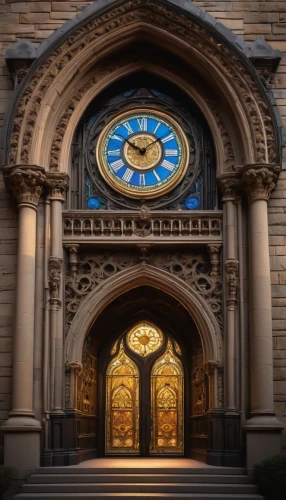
91, 51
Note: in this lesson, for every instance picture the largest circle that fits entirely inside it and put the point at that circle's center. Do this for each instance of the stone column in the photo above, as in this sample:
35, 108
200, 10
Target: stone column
229, 184
21, 430
263, 429
57, 184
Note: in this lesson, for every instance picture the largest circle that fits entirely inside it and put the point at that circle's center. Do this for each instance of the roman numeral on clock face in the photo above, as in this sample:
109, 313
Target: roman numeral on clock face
156, 175
128, 127
171, 152
128, 174
168, 165
156, 128
117, 138
142, 124
116, 165
114, 152
142, 180
168, 138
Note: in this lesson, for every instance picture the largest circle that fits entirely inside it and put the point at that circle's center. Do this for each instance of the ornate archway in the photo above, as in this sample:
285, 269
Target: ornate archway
71, 69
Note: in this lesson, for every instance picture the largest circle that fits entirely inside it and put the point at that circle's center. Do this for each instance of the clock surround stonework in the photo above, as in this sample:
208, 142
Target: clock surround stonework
143, 250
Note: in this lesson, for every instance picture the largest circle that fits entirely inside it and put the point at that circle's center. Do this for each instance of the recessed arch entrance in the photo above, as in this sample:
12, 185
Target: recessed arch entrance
107, 347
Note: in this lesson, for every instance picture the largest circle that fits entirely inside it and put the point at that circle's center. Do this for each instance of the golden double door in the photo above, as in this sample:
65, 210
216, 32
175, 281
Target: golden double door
144, 395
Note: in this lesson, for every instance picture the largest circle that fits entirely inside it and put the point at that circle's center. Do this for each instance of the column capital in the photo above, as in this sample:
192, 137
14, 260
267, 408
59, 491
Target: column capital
57, 184
229, 184
74, 366
259, 180
26, 183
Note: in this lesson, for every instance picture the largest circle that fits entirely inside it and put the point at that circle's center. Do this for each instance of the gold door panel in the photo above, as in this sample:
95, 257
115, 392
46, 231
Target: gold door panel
167, 391
122, 405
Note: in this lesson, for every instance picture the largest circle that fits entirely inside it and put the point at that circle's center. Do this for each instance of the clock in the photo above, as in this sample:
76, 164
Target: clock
142, 153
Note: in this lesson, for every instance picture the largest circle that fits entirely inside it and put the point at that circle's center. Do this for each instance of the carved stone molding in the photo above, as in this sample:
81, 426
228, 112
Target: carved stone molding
55, 267
26, 183
229, 184
226, 59
214, 251
94, 268
73, 371
232, 279
57, 184
259, 181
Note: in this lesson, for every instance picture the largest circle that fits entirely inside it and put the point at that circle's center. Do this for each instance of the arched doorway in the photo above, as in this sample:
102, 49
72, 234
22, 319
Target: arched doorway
144, 395
144, 402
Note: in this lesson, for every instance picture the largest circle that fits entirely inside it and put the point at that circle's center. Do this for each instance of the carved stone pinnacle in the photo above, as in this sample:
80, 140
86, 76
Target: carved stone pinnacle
259, 181
232, 279
26, 183
58, 184
55, 266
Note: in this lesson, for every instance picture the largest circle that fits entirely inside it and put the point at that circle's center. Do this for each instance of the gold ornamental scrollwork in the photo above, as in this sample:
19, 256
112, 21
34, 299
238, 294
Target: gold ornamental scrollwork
26, 183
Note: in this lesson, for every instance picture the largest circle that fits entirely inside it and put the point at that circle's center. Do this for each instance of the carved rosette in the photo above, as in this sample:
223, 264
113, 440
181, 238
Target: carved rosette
26, 183
259, 181
214, 251
55, 267
232, 279
229, 184
58, 184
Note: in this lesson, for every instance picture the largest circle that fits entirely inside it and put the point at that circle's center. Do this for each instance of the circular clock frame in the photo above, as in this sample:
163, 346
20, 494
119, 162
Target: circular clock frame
142, 192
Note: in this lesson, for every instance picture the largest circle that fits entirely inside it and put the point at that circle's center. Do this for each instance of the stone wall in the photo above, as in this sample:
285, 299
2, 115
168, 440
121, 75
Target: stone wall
35, 21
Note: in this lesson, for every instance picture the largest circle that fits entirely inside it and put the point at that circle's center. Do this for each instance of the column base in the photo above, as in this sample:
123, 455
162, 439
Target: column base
263, 437
22, 443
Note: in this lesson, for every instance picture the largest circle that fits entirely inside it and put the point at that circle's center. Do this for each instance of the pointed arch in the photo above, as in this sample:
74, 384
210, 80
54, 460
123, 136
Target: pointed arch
89, 52
144, 274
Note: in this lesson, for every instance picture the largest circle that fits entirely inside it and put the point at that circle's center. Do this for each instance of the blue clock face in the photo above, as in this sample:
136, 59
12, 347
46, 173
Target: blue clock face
142, 153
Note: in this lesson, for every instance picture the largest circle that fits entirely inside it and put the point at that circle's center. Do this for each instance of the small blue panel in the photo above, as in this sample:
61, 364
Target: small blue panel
192, 202
93, 203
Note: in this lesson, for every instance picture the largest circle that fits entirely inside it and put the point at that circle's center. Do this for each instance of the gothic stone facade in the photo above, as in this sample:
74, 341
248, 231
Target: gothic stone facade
43, 332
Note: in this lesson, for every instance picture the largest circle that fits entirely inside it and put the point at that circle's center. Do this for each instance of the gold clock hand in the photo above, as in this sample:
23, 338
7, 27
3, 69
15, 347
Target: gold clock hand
152, 143
142, 150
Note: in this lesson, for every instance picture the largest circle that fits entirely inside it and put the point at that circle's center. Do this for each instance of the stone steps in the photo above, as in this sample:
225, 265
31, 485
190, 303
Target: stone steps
135, 478
137, 496
139, 488
140, 483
